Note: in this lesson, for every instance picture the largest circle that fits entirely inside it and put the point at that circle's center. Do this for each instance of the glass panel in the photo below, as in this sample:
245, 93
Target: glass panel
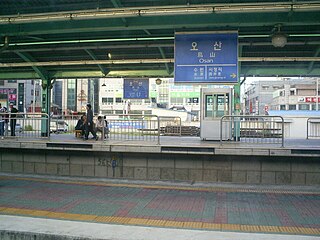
208, 111
222, 105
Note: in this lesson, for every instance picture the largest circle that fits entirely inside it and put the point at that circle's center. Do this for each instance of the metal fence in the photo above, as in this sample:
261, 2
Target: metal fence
253, 129
313, 127
27, 125
63, 123
134, 127
170, 126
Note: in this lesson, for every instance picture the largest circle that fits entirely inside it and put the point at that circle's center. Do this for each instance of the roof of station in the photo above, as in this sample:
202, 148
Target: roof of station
95, 38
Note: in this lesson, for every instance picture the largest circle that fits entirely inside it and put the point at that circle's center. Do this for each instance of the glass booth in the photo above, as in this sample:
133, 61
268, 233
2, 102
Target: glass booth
215, 103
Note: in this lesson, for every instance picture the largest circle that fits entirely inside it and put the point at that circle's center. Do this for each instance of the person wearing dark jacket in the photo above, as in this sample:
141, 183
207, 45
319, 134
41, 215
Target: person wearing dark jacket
81, 125
89, 124
13, 119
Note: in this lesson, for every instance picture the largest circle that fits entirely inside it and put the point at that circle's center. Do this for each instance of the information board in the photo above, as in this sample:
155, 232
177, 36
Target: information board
136, 88
208, 57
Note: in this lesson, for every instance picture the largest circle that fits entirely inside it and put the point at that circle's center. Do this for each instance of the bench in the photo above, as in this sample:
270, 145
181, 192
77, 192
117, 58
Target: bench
77, 133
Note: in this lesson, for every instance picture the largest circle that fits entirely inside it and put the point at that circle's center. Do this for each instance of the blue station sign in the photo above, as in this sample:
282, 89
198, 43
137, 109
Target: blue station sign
136, 88
208, 57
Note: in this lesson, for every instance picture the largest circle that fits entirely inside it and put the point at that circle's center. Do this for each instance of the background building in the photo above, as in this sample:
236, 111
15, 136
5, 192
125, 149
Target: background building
297, 96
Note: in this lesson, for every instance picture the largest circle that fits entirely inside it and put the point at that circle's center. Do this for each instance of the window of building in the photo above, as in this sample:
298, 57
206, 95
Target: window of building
107, 101
1, 82
148, 112
304, 107
176, 101
292, 107
135, 112
118, 100
12, 81
282, 107
106, 112
71, 94
281, 93
292, 92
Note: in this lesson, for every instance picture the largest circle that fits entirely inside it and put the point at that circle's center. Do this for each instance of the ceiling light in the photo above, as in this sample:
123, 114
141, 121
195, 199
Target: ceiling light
279, 39
158, 81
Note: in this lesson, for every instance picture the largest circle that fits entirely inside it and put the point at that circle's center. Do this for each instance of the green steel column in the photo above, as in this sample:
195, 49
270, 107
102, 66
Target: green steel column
45, 107
236, 103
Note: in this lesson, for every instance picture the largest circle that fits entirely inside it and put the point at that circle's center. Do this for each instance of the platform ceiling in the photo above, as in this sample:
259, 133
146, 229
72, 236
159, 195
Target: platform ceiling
94, 38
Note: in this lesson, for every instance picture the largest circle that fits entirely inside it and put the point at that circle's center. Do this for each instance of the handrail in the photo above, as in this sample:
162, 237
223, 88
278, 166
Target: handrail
235, 122
309, 120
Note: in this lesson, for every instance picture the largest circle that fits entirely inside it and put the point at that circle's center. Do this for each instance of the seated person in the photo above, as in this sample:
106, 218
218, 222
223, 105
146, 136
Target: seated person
81, 125
100, 124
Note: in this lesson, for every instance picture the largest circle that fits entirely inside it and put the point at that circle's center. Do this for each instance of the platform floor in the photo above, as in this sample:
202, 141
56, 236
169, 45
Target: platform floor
195, 142
210, 208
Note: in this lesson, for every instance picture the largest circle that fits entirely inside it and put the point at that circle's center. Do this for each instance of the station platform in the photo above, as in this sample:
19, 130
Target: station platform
170, 144
67, 208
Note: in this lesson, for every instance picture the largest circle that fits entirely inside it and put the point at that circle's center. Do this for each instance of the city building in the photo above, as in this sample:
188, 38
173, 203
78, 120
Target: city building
25, 94
297, 96
258, 95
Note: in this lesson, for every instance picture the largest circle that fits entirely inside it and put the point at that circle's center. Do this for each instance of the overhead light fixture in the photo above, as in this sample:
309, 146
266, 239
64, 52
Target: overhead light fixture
104, 83
158, 81
176, 11
238, 8
279, 39
109, 55
304, 7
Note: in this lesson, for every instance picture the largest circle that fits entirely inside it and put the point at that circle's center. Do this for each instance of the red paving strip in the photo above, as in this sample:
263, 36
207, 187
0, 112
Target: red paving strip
163, 206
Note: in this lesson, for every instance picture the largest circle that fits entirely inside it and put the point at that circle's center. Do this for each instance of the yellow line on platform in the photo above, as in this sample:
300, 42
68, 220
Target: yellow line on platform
159, 223
201, 189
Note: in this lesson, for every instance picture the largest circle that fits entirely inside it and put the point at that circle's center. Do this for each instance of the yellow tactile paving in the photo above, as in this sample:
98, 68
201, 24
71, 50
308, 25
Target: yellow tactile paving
192, 225
10, 210
310, 231
289, 229
231, 227
173, 224
104, 219
271, 229
212, 226
249, 228
138, 221
161, 223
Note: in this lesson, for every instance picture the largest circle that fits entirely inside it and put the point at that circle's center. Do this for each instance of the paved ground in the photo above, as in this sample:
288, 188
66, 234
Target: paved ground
236, 208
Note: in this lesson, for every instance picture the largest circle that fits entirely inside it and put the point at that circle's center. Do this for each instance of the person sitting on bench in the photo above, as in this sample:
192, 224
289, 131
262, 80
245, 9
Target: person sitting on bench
81, 125
100, 124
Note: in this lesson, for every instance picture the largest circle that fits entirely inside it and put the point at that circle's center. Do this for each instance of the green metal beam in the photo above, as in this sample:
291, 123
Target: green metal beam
249, 71
42, 73
311, 64
160, 50
94, 57
230, 21
117, 4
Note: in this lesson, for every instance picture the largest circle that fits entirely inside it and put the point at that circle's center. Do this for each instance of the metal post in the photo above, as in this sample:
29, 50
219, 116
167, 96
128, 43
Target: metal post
317, 95
158, 119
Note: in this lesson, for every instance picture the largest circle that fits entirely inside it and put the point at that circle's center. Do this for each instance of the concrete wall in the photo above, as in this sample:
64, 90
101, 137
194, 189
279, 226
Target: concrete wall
146, 166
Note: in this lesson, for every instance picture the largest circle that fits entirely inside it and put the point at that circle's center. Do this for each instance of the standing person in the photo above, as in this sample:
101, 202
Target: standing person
89, 124
13, 119
2, 116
